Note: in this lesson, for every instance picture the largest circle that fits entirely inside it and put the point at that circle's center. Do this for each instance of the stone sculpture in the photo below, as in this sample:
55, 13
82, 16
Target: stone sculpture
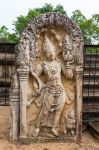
70, 123
48, 69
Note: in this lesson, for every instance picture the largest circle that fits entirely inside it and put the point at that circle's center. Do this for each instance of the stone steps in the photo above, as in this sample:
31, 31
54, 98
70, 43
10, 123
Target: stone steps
91, 88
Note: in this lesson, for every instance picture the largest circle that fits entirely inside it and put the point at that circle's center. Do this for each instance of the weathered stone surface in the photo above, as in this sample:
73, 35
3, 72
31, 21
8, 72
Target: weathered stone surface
49, 60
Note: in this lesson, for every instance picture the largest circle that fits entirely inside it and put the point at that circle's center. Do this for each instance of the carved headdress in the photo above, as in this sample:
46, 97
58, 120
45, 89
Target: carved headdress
47, 45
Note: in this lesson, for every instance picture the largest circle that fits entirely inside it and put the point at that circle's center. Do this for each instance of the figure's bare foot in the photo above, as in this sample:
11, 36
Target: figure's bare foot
72, 132
54, 131
36, 132
65, 131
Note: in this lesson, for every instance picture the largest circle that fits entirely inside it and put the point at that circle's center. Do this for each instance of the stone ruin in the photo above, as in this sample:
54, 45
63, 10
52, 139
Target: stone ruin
46, 90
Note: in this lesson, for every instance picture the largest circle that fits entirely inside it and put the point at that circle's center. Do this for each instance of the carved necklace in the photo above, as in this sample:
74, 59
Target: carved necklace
53, 68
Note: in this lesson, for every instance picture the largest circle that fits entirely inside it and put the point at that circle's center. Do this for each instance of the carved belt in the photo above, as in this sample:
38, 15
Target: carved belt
56, 90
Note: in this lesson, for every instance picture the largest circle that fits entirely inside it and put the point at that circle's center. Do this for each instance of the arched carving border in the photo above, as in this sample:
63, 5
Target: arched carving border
26, 49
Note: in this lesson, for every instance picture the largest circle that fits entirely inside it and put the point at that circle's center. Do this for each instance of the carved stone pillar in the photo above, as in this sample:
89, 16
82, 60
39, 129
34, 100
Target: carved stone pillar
14, 103
79, 72
23, 83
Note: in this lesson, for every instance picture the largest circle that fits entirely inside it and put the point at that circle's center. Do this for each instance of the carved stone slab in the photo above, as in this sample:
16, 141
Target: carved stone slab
46, 95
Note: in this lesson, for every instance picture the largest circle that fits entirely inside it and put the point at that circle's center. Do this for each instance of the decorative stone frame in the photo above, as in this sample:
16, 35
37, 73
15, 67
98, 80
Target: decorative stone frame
25, 53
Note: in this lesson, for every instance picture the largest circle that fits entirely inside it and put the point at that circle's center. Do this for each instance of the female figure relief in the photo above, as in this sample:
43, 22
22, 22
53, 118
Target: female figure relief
51, 95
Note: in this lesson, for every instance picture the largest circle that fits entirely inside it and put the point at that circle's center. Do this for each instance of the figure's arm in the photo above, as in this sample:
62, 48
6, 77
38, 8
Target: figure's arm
35, 73
63, 69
